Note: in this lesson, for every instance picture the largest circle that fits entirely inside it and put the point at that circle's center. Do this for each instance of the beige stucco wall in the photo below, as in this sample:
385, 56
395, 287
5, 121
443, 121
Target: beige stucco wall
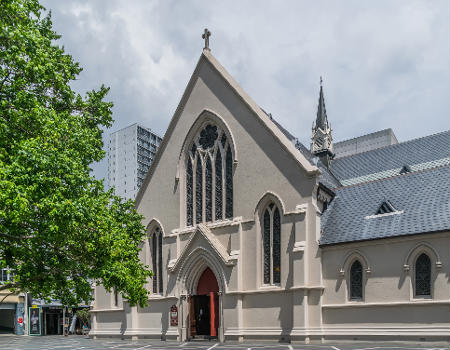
262, 165
311, 301
388, 287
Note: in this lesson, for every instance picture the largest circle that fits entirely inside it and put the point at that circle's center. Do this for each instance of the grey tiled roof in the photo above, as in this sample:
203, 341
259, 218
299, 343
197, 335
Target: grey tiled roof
326, 177
422, 197
422, 150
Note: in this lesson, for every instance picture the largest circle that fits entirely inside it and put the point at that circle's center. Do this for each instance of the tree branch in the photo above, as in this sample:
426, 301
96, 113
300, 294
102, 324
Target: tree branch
7, 295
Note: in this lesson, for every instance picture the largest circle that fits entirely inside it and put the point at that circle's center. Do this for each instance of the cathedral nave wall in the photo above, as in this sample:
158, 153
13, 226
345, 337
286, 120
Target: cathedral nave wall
388, 286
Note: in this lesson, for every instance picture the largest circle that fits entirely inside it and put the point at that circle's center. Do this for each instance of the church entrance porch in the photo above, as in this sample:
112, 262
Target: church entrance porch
204, 308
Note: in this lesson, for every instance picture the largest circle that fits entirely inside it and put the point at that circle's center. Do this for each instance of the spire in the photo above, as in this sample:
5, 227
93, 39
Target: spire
321, 120
321, 139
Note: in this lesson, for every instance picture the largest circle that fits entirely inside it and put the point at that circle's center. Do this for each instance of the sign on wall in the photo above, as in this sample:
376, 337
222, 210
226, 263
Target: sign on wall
34, 313
173, 316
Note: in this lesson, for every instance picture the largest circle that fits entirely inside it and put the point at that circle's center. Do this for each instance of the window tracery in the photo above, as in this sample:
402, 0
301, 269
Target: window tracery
271, 244
212, 158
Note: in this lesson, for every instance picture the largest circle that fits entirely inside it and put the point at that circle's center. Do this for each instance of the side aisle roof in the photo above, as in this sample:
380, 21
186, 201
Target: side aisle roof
418, 154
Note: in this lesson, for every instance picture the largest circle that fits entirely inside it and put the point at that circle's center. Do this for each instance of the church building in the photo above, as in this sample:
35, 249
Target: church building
253, 236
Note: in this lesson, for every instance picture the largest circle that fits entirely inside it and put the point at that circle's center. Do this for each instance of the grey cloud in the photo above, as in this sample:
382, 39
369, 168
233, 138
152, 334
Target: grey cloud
385, 63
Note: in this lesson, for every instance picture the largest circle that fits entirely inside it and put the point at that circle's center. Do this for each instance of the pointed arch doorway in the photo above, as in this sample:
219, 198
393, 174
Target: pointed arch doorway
204, 307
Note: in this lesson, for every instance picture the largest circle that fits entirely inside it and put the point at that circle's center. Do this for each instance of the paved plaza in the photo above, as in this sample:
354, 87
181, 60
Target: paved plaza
79, 342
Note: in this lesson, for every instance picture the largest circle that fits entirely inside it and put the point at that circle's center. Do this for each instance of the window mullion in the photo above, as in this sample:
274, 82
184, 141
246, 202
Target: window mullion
271, 247
194, 189
213, 185
224, 185
204, 189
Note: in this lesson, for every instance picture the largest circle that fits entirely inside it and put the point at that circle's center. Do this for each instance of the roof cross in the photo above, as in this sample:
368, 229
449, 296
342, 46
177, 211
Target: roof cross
206, 36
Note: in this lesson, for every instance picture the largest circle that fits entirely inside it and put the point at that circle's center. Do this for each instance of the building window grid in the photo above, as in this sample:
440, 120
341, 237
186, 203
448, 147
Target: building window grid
6, 275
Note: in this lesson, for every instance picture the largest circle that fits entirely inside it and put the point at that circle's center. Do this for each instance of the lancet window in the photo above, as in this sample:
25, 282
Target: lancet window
356, 281
423, 276
209, 177
271, 244
156, 252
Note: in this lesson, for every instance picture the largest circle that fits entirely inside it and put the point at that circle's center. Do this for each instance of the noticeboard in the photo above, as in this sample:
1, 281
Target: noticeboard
34, 317
173, 316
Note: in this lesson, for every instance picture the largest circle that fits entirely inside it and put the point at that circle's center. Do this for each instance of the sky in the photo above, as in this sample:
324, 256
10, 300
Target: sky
385, 63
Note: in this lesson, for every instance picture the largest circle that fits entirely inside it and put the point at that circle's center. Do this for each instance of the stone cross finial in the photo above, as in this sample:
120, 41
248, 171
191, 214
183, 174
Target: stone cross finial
206, 36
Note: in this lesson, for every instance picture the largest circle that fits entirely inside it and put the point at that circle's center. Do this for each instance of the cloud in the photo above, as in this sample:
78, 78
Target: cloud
385, 63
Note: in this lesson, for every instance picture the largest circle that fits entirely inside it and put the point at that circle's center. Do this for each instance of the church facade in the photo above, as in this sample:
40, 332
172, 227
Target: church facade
253, 236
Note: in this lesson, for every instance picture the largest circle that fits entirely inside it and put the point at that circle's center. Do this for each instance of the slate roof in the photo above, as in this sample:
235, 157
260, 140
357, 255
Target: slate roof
418, 151
421, 198
362, 182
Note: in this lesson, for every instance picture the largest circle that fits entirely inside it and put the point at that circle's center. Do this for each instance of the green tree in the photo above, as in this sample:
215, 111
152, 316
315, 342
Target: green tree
84, 316
59, 229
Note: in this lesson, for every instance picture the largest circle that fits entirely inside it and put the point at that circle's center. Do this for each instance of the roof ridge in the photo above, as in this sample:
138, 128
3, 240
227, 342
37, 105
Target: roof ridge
394, 145
370, 133
393, 176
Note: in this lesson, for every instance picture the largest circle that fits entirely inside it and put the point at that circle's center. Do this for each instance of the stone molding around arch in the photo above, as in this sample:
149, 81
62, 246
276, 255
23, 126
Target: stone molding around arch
152, 224
192, 268
350, 258
419, 248
217, 250
204, 117
265, 199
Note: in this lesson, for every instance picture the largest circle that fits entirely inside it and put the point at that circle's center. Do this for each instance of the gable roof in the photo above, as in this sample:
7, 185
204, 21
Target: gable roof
418, 154
206, 234
422, 200
207, 57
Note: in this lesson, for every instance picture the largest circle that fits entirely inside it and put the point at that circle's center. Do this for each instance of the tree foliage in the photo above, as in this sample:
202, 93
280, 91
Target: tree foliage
59, 229
84, 316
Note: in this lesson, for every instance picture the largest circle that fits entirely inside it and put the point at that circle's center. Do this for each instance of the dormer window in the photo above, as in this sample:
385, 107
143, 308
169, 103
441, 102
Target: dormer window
405, 169
385, 208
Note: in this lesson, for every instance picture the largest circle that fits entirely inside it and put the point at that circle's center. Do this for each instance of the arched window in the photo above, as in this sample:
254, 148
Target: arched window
356, 281
156, 248
271, 244
423, 276
209, 177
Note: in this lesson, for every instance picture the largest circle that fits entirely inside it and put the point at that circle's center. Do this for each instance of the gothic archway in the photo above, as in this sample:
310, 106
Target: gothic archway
202, 272
204, 307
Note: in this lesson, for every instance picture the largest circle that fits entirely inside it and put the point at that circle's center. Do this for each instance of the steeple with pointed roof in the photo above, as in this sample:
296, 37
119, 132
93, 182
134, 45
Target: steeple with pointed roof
321, 139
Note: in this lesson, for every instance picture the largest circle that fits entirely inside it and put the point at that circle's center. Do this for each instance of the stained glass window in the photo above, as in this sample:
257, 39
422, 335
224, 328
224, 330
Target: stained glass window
208, 189
154, 262
276, 229
160, 263
199, 191
218, 199
223, 140
218, 166
356, 280
189, 193
423, 275
208, 136
266, 246
229, 184
272, 244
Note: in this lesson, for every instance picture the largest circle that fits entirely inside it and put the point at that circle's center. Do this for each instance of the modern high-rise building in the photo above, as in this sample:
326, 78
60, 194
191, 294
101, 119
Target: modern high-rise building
131, 150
